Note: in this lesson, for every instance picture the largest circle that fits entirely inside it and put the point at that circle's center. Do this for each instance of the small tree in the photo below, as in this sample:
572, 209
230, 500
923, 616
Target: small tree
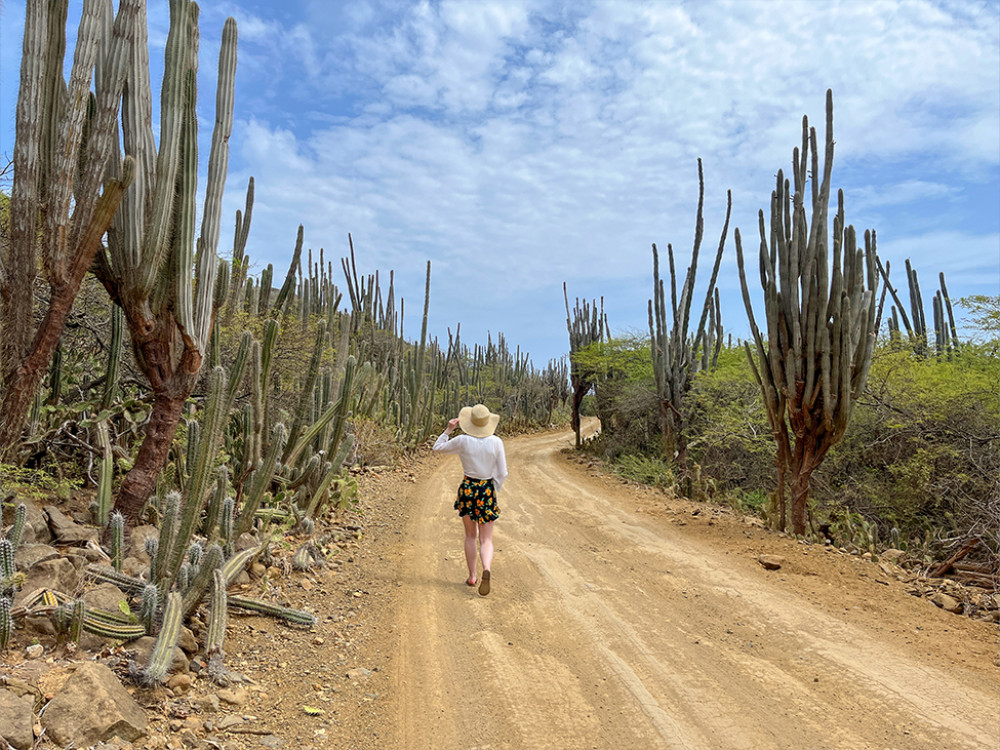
821, 322
585, 326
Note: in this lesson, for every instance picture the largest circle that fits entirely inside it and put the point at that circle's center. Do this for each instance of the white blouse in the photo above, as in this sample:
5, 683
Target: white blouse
482, 458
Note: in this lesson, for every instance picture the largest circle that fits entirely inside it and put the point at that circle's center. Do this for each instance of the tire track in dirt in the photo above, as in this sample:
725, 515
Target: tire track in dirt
611, 628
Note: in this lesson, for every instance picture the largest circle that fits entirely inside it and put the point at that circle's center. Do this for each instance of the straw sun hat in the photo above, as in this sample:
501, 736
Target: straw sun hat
477, 421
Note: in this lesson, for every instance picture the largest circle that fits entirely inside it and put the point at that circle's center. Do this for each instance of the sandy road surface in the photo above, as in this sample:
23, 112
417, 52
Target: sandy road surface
614, 626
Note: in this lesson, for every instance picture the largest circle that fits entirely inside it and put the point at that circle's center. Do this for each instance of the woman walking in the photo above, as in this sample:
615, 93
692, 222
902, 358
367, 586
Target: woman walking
485, 466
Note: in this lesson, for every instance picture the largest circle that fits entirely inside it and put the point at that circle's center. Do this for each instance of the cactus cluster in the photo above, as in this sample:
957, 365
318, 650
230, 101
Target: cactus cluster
678, 354
59, 212
915, 325
813, 362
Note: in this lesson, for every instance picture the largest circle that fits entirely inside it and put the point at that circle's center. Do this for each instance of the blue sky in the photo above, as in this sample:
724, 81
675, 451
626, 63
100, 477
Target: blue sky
518, 144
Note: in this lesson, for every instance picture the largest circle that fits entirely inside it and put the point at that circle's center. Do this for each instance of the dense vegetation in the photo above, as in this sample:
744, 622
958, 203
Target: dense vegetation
917, 468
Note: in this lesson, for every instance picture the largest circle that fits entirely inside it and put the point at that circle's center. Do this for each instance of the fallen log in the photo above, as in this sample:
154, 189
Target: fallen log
944, 567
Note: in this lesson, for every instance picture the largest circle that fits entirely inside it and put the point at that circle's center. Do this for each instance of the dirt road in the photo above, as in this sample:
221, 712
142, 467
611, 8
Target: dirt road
621, 619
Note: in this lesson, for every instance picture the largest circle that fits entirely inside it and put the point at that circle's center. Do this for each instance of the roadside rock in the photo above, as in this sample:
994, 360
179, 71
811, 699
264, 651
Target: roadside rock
892, 555
947, 603
187, 641
36, 528
236, 697
66, 530
29, 555
106, 596
138, 542
91, 707
17, 719
771, 562
144, 649
58, 574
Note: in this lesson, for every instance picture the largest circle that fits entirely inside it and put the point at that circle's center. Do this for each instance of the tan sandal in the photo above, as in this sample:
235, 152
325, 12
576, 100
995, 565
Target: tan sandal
484, 586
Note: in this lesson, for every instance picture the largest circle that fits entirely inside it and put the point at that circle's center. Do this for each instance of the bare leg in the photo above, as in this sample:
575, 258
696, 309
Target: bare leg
470, 548
486, 544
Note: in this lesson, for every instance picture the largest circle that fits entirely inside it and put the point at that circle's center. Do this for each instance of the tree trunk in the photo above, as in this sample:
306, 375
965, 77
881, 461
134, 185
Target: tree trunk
22, 382
578, 393
20, 386
140, 482
802, 469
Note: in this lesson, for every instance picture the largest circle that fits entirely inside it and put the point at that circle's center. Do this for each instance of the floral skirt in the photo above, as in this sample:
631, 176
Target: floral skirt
477, 498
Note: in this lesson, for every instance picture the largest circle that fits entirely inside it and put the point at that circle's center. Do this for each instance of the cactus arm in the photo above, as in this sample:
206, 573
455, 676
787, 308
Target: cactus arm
235, 564
201, 582
128, 584
218, 164
16, 531
163, 650
295, 616
6, 622
218, 612
146, 265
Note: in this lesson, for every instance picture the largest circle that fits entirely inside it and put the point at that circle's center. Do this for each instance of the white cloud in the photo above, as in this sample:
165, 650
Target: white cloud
535, 141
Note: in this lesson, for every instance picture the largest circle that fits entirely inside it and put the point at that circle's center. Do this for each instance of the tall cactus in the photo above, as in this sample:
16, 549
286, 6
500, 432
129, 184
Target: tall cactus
65, 136
821, 320
585, 326
677, 355
151, 251
945, 331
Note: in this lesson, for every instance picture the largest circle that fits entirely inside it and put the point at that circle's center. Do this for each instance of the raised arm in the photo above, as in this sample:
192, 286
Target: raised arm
443, 443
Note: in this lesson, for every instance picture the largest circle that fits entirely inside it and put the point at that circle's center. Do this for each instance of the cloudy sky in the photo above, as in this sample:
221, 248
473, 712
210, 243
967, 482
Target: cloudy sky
518, 144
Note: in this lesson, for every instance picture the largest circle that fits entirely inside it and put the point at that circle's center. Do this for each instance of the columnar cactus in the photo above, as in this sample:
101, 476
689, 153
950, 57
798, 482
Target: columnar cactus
821, 320
7, 569
217, 614
6, 622
65, 137
114, 357
163, 649
151, 247
117, 541
16, 531
149, 605
678, 355
917, 333
586, 325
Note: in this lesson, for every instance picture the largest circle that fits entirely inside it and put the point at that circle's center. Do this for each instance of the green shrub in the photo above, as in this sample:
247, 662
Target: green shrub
645, 470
